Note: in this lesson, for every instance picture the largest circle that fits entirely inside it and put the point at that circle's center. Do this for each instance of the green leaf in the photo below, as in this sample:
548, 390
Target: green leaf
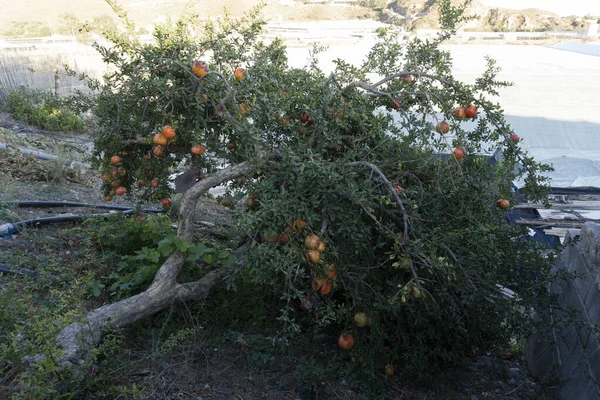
196, 251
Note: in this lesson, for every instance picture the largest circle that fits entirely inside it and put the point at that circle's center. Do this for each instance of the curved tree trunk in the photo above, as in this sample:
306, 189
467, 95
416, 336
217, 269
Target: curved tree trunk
75, 339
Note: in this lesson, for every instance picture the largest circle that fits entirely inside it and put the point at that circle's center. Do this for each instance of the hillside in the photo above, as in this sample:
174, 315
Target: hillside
423, 14
61, 16
57, 16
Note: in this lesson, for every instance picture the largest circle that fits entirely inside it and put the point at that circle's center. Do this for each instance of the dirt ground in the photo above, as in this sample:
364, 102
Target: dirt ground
208, 365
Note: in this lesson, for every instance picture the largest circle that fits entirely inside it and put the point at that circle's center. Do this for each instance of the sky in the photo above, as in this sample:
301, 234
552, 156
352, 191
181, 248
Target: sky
561, 7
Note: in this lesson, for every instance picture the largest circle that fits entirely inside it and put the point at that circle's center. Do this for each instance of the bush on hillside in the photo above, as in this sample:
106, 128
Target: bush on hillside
42, 109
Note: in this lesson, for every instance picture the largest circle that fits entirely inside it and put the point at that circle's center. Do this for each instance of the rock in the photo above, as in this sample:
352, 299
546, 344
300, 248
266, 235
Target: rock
515, 373
422, 14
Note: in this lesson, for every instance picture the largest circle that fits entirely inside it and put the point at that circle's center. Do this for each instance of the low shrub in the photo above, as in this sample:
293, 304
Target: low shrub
42, 109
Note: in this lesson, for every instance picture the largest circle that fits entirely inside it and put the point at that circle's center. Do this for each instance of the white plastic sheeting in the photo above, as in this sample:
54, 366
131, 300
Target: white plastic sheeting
592, 49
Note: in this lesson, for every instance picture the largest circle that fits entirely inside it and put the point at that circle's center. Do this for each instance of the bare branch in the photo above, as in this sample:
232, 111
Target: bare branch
455, 258
323, 227
375, 169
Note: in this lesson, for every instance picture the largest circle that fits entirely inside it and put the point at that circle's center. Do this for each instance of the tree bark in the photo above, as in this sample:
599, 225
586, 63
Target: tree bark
78, 337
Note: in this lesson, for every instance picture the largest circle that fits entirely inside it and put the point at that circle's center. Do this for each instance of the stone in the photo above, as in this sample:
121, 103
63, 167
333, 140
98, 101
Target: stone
590, 244
515, 373
594, 362
575, 359
579, 389
541, 360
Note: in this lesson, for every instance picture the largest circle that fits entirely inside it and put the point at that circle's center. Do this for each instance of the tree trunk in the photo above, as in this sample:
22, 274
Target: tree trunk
78, 337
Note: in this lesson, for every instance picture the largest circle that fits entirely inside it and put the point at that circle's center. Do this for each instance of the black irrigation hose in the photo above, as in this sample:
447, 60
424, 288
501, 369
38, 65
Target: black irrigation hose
7, 269
8, 229
40, 203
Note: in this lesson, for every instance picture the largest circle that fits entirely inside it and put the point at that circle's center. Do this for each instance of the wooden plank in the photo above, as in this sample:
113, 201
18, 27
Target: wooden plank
561, 232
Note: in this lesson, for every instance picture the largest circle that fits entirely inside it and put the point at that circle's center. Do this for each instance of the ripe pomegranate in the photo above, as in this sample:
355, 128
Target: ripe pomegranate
313, 256
459, 153
198, 150
442, 127
158, 151
346, 341
321, 247
322, 285
459, 113
332, 273
312, 242
304, 117
503, 204
298, 225
200, 68
283, 238
160, 139
471, 111
240, 74
168, 132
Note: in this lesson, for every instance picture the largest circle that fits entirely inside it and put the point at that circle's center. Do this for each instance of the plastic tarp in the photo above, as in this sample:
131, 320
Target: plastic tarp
592, 49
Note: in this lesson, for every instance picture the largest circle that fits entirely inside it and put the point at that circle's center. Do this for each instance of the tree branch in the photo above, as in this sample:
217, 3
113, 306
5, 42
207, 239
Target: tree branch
375, 169
191, 197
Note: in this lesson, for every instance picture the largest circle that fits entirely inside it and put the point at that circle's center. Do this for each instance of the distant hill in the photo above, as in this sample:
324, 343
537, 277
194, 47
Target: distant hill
423, 14
28, 18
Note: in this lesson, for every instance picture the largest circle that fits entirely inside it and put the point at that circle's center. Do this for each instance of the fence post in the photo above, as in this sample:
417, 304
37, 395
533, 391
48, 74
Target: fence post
56, 83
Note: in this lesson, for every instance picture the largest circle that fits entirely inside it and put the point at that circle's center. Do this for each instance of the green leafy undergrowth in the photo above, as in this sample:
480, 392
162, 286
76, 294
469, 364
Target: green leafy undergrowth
43, 110
129, 251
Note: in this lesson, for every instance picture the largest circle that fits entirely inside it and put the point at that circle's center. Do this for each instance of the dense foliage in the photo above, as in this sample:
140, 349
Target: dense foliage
406, 215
